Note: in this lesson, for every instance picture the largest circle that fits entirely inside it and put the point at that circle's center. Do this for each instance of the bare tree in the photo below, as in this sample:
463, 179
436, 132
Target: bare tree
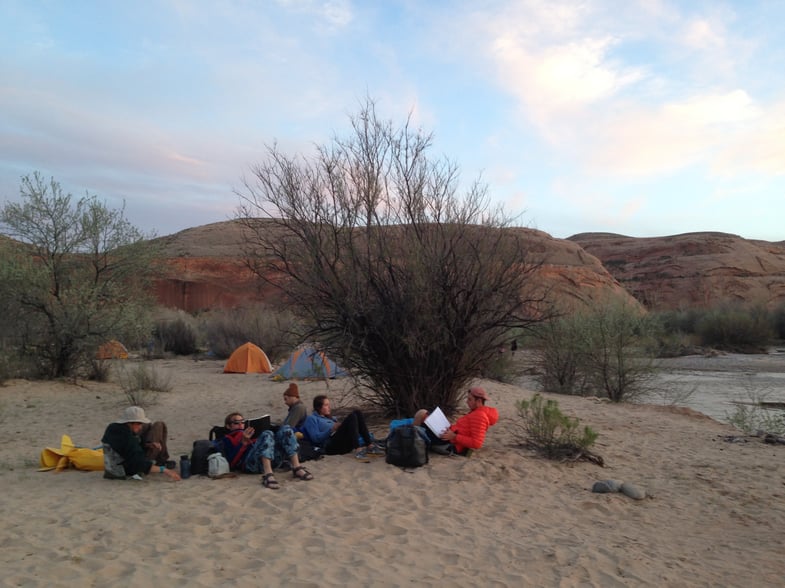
411, 286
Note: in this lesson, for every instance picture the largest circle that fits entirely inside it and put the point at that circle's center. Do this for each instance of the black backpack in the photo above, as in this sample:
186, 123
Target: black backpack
308, 450
203, 448
406, 448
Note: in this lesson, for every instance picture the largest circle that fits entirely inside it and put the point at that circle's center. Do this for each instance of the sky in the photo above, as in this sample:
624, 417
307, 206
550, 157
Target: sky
640, 117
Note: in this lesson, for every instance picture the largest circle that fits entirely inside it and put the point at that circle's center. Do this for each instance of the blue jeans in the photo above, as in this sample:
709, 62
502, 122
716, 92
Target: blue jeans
274, 446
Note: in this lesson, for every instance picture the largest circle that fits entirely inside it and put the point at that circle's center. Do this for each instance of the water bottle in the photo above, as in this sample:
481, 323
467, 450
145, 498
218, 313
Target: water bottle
185, 467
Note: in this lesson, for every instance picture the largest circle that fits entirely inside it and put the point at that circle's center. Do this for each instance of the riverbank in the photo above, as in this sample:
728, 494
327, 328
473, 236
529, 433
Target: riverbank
713, 514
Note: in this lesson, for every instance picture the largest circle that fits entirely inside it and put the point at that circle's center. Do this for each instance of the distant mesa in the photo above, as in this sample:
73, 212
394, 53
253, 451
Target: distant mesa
204, 268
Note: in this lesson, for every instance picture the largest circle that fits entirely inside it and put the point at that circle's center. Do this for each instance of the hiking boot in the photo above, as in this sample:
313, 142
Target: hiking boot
374, 450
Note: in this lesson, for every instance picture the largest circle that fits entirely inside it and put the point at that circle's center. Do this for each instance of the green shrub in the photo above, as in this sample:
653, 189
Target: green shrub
736, 328
778, 320
552, 433
679, 321
15, 365
559, 357
607, 350
176, 336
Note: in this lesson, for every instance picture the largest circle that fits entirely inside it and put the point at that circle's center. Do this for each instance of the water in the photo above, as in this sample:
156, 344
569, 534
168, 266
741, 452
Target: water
716, 393
714, 385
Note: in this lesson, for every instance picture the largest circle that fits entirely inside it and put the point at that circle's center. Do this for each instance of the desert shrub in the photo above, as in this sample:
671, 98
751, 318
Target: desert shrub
617, 351
676, 334
559, 356
736, 328
607, 350
75, 275
142, 383
751, 416
680, 321
277, 332
100, 370
778, 321
14, 365
176, 336
501, 368
551, 432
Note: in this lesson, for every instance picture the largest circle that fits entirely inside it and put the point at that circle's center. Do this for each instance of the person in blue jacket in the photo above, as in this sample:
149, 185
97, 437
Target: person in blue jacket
338, 437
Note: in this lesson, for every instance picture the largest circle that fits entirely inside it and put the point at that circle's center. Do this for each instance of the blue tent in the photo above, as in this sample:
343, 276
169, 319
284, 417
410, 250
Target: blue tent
308, 363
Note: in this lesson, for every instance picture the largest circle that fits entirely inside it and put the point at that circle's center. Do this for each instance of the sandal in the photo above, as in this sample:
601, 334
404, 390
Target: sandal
269, 481
301, 473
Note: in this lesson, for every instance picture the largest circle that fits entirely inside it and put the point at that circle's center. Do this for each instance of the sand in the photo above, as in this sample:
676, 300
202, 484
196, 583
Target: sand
715, 514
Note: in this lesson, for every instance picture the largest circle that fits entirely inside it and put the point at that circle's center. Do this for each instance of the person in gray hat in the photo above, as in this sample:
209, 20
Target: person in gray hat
133, 445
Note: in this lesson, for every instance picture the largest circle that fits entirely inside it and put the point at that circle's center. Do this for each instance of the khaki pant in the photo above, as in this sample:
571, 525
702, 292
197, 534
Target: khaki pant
155, 433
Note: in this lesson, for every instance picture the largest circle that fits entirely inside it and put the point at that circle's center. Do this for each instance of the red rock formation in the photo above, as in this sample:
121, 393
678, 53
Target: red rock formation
693, 269
204, 269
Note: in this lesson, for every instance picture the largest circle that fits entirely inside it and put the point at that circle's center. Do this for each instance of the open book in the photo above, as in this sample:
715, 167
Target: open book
437, 422
259, 424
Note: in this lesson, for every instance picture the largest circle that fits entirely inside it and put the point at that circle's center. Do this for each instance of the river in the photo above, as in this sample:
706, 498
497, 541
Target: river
715, 384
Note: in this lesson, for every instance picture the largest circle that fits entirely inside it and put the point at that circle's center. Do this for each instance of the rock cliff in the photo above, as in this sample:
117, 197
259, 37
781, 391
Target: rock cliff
693, 269
204, 268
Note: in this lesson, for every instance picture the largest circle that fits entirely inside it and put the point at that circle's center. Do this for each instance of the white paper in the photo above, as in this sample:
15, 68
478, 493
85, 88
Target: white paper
437, 422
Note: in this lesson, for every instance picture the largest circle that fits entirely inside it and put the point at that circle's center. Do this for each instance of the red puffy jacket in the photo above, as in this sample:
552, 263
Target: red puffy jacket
471, 428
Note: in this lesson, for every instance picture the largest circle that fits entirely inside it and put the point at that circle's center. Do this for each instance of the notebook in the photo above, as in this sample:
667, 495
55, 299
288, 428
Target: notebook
259, 424
437, 422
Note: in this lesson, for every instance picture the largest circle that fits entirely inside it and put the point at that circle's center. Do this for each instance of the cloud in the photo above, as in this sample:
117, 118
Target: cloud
645, 90
674, 135
758, 148
559, 78
703, 34
332, 14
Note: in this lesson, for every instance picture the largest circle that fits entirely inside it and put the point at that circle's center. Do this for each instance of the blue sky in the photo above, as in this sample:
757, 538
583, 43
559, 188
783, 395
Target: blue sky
639, 117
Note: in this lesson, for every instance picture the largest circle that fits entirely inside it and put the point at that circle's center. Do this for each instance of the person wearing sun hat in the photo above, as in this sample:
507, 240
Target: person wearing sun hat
124, 451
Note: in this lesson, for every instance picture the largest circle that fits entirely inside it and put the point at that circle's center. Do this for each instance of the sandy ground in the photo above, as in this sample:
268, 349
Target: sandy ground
715, 515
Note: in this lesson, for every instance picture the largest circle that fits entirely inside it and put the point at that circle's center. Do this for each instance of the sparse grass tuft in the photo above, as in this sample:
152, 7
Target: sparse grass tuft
142, 384
751, 415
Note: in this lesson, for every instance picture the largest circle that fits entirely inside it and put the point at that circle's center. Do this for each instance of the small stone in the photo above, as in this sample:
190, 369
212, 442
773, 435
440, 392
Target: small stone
633, 491
606, 486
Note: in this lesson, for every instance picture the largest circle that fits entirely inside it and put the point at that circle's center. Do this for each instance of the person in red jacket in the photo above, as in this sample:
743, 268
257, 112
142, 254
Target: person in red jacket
468, 432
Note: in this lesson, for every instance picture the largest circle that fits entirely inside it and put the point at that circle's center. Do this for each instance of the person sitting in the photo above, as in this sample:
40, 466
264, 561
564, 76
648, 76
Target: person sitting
297, 413
468, 432
338, 437
128, 454
244, 453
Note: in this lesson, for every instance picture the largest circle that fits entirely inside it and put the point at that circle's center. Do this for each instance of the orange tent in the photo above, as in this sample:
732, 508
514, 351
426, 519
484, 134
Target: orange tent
112, 350
248, 358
